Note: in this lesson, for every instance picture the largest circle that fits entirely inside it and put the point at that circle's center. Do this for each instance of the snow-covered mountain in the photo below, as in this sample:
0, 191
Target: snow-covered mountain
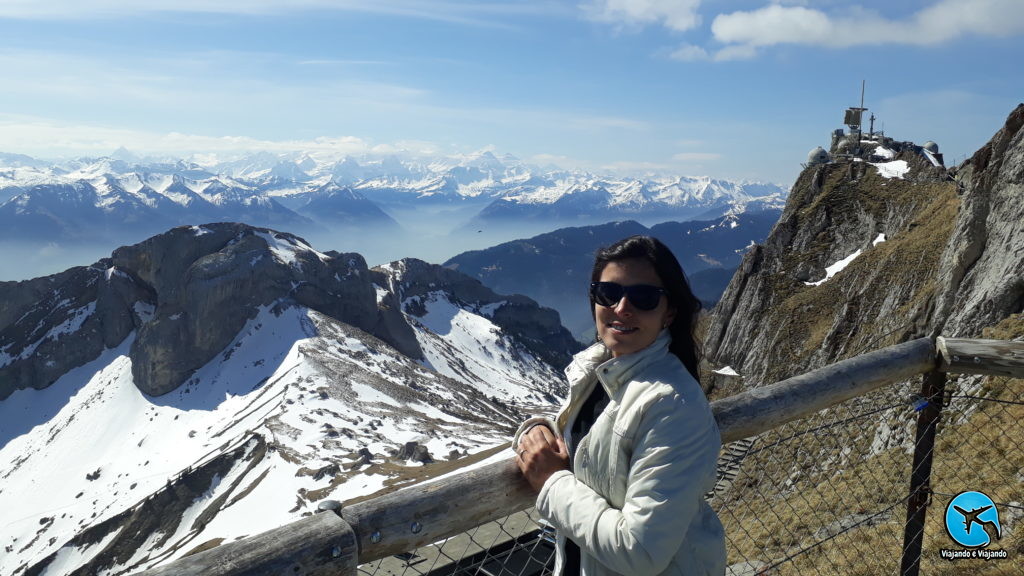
589, 199
216, 381
93, 196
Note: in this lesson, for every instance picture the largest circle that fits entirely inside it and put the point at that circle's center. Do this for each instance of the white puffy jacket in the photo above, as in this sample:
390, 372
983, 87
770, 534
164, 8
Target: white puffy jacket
634, 501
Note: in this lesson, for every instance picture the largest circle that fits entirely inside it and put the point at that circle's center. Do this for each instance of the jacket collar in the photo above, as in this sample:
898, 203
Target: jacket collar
612, 372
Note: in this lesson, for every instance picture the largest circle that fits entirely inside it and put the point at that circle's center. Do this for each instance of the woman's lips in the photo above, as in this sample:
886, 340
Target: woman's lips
620, 329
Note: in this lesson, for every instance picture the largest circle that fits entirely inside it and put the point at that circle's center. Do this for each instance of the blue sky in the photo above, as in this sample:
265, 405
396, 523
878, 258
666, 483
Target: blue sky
733, 89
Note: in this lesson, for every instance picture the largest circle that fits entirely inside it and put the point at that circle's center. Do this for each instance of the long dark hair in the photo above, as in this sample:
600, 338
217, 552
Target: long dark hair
684, 344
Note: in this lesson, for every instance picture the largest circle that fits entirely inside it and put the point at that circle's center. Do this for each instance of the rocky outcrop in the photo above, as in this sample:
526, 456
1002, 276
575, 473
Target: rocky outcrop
951, 262
212, 279
537, 328
52, 324
187, 292
414, 451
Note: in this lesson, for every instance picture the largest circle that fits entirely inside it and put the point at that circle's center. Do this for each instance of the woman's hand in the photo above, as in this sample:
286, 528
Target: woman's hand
540, 455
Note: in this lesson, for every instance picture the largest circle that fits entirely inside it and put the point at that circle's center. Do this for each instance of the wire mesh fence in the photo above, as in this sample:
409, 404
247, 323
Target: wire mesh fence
516, 545
980, 447
824, 495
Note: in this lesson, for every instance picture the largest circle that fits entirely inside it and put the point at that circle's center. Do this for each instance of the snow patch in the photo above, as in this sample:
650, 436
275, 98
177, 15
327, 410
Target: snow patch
727, 371
381, 293
286, 249
488, 310
894, 169
144, 311
834, 269
72, 324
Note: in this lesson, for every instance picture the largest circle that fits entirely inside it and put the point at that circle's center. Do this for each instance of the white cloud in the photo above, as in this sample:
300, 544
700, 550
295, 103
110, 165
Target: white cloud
942, 22
689, 53
735, 52
636, 168
556, 159
600, 123
696, 156
677, 15
842, 25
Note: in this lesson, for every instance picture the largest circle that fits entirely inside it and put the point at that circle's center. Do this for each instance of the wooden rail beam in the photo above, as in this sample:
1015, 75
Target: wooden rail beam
407, 519
318, 545
760, 409
975, 356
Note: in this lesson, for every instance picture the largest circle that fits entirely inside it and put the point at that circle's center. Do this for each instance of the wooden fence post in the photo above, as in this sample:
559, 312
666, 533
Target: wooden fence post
920, 475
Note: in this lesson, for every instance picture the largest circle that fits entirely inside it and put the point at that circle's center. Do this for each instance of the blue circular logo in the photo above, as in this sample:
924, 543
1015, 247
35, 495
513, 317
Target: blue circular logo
972, 520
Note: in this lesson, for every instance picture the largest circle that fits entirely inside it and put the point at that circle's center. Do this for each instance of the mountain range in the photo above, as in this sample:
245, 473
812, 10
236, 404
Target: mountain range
125, 199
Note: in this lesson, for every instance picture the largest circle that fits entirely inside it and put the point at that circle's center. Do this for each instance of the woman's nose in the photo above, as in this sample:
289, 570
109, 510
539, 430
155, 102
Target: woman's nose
624, 307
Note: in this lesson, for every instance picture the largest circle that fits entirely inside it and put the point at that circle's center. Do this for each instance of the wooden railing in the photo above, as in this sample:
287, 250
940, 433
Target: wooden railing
335, 542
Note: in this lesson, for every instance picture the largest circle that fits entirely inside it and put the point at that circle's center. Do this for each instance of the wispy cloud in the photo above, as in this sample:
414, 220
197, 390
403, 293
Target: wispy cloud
467, 12
586, 123
46, 138
696, 156
344, 63
185, 84
679, 15
689, 53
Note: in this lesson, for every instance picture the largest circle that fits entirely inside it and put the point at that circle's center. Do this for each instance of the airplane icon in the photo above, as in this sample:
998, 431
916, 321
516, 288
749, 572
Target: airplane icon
990, 527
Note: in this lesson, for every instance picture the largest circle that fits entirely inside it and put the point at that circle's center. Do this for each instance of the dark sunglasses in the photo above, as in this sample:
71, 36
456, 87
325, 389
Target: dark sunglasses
643, 296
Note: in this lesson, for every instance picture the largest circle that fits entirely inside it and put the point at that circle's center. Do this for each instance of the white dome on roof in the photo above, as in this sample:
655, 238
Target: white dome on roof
818, 156
931, 147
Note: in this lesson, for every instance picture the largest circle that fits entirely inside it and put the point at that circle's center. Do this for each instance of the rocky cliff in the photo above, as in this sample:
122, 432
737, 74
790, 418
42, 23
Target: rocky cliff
189, 291
539, 329
934, 252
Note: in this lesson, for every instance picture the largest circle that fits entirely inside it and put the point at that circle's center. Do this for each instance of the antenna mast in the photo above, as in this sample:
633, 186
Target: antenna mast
860, 130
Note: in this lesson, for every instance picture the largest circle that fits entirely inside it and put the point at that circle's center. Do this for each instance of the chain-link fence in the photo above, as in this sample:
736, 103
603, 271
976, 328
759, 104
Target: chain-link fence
513, 546
825, 495
979, 447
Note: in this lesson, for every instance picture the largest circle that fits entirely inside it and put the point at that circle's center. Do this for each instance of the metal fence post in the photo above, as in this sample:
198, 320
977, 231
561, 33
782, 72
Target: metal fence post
932, 391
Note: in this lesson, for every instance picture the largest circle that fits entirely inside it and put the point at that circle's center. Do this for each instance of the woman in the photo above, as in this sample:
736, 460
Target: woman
637, 429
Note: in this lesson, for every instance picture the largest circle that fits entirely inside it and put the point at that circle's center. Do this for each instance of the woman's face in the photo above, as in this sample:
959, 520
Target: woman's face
623, 327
